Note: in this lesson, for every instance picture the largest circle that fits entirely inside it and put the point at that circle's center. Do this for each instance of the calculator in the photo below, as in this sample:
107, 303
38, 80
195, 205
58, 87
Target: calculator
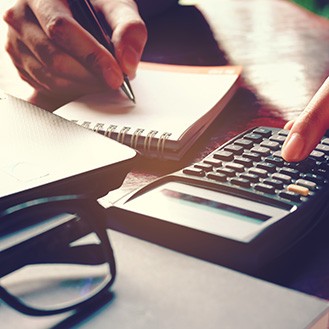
242, 206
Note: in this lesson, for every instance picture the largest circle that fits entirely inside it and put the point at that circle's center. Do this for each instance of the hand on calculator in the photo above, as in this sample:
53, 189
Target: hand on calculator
306, 131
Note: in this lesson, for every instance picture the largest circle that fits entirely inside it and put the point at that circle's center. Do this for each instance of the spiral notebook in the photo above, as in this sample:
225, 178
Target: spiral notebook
174, 106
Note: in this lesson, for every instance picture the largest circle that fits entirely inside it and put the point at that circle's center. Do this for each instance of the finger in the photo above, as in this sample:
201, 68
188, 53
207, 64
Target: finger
60, 27
289, 124
129, 32
38, 76
309, 127
38, 43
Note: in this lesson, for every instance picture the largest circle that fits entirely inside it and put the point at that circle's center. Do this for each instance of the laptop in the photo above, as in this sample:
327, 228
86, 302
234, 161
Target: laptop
44, 155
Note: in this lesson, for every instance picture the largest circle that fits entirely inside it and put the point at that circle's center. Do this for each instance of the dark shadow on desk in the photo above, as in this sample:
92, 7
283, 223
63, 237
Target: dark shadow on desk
181, 35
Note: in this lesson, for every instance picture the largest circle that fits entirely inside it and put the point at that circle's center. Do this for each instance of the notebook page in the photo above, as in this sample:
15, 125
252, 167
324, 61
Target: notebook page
169, 98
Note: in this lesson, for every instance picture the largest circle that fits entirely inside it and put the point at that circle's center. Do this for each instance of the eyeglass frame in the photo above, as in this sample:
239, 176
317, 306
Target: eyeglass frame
64, 204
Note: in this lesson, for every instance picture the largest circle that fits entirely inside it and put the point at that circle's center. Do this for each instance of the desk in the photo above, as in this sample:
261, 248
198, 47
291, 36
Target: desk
284, 51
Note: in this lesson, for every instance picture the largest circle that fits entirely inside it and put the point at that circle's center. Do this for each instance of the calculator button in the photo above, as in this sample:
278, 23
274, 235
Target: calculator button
263, 151
269, 167
325, 141
265, 132
213, 162
265, 188
271, 145
278, 138
235, 166
323, 148
256, 138
283, 132
226, 171
240, 182
251, 177
282, 177
306, 183
244, 161
318, 155
258, 171
294, 173
236, 149
275, 160
247, 144
292, 196
203, 166
217, 176
314, 178
301, 190
274, 182
194, 171
277, 154
252, 156
223, 155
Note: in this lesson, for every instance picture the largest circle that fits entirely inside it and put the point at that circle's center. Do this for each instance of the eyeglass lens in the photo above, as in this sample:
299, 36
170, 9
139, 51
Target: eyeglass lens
54, 263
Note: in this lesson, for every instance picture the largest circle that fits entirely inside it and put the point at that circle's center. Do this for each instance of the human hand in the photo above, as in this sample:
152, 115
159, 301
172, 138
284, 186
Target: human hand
57, 57
307, 130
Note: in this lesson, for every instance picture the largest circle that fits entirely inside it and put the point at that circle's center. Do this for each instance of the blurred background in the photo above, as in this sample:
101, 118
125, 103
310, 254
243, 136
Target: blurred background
320, 7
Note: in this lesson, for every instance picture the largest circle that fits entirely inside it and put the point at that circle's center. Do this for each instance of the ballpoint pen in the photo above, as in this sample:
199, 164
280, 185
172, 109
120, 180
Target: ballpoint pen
85, 14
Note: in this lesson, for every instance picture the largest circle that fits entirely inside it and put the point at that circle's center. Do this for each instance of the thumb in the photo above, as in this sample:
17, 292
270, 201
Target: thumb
308, 129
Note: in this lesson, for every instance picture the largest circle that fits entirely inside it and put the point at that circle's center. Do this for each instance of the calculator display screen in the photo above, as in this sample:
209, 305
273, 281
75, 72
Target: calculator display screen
205, 210
240, 213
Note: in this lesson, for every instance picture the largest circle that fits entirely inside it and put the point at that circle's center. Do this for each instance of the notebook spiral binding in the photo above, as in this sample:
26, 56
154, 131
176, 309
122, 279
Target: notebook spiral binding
135, 136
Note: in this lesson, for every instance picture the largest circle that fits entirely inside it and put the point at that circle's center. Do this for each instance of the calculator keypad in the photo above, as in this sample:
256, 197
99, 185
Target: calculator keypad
252, 163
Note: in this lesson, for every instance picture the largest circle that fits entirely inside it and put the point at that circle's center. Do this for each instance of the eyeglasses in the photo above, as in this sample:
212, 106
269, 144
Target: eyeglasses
55, 255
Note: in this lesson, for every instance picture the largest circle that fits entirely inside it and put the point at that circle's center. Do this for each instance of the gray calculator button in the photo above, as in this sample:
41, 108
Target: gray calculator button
217, 176
252, 156
275, 160
283, 132
265, 188
240, 182
271, 145
243, 161
323, 148
274, 182
251, 177
203, 166
294, 173
194, 171
263, 151
258, 171
306, 183
282, 177
265, 132
213, 162
247, 144
325, 141
290, 196
226, 171
318, 155
235, 166
278, 138
224, 155
256, 138
271, 168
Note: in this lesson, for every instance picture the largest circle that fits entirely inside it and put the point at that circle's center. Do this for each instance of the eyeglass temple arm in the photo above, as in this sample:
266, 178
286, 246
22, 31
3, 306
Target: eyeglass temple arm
83, 255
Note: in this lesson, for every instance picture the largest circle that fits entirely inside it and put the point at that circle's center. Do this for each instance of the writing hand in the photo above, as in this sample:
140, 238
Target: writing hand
307, 130
55, 55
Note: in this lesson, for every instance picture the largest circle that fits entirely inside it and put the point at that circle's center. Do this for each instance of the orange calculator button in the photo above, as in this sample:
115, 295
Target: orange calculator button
301, 190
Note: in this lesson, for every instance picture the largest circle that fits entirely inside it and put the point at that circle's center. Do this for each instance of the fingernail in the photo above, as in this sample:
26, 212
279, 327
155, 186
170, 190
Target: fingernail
131, 59
113, 78
293, 147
